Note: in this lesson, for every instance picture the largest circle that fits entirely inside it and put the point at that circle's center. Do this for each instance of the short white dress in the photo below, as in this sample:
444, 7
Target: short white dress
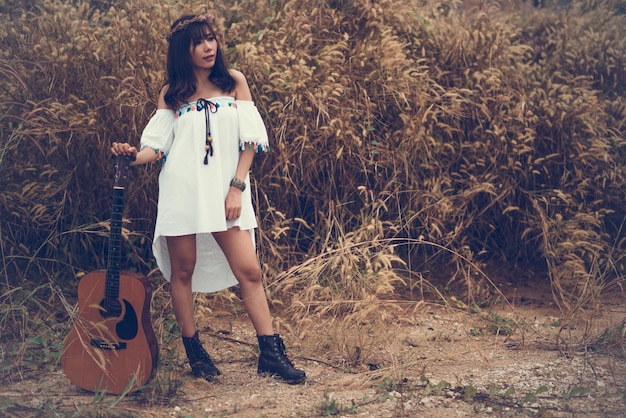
192, 193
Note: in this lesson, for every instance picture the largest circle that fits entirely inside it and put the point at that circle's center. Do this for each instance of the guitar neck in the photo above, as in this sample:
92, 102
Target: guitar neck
112, 286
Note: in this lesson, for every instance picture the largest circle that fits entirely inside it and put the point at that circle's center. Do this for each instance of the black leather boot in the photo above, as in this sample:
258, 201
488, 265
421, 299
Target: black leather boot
199, 360
273, 360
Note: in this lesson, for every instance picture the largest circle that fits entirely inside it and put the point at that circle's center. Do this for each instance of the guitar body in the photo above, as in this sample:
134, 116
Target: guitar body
113, 354
111, 346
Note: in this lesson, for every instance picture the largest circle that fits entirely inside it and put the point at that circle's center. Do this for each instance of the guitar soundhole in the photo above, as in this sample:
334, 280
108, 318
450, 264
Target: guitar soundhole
128, 327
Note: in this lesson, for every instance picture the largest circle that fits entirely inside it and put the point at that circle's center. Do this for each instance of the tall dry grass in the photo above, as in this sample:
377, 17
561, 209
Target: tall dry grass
409, 138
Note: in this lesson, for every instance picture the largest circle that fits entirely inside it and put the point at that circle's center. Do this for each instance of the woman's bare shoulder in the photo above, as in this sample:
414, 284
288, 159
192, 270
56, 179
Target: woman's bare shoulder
237, 75
162, 104
242, 90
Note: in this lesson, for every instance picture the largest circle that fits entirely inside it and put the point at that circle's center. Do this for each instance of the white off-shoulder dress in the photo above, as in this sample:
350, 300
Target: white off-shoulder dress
191, 193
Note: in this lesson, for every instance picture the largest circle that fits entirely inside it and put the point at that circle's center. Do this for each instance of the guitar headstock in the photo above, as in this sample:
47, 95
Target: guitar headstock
122, 169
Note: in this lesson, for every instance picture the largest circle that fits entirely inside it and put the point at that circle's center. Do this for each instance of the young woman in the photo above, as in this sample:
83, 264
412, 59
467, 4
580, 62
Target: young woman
205, 132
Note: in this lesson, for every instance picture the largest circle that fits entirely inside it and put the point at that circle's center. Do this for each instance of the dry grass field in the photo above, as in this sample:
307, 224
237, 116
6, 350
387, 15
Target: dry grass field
441, 216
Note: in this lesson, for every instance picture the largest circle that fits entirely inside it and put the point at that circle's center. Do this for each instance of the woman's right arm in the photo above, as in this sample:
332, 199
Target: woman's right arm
146, 155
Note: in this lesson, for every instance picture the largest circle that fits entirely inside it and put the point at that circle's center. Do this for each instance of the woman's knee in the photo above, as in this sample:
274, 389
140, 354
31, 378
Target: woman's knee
182, 270
250, 273
182, 252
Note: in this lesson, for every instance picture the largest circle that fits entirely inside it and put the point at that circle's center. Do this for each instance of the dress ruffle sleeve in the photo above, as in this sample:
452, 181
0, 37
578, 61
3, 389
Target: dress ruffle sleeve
159, 132
252, 131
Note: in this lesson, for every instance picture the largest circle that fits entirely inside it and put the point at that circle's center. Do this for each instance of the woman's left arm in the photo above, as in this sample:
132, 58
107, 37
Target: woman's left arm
242, 92
233, 199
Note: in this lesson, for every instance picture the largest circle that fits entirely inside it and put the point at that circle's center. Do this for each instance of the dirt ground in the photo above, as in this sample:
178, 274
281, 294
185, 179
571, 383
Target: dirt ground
427, 361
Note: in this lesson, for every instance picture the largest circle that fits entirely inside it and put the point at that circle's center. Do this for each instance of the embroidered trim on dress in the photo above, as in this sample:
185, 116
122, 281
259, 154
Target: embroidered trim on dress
211, 107
192, 107
255, 146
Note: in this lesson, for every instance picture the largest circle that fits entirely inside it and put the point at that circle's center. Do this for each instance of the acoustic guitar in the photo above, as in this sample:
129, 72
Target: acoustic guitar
112, 347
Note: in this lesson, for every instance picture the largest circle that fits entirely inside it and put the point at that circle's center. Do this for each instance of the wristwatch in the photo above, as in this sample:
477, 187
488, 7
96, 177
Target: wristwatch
239, 184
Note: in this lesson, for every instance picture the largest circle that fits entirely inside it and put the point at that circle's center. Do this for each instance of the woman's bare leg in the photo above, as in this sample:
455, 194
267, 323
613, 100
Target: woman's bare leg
241, 255
183, 260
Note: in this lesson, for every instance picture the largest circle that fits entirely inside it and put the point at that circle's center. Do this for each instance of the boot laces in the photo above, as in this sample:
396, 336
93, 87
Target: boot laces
200, 355
197, 354
282, 352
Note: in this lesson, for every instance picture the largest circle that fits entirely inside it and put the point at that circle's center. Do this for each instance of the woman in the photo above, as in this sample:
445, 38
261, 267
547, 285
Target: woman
208, 130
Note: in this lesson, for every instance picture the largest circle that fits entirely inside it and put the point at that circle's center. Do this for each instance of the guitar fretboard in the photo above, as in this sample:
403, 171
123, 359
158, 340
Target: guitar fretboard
112, 286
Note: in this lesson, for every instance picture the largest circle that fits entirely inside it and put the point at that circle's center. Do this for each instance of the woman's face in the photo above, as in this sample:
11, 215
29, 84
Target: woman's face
203, 51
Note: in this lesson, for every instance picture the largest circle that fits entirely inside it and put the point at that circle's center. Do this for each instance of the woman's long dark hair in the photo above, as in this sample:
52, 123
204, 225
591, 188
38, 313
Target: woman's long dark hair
180, 78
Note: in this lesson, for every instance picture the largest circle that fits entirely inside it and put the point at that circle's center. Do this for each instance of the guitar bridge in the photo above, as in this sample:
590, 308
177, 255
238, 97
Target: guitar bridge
107, 346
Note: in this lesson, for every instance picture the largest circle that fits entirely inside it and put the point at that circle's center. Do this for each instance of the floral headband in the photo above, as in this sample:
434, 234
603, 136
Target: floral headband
185, 23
